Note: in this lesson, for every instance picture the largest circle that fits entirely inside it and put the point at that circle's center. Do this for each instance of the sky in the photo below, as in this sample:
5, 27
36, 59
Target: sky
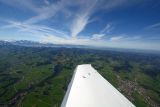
131, 24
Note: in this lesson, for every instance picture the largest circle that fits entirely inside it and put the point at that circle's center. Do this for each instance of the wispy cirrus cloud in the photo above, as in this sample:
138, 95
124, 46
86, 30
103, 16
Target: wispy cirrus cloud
107, 29
104, 32
22, 4
116, 38
78, 18
76, 15
39, 30
43, 12
46, 2
47, 12
97, 36
153, 26
78, 25
82, 18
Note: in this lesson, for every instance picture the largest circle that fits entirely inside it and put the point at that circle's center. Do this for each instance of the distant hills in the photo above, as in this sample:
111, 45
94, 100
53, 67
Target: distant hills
27, 43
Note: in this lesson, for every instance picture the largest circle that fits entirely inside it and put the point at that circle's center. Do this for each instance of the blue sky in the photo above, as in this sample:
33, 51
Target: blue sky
105, 23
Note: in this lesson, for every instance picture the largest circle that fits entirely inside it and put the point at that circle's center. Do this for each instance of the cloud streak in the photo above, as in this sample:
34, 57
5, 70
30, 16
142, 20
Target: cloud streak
153, 26
79, 18
116, 38
75, 15
35, 29
82, 18
107, 29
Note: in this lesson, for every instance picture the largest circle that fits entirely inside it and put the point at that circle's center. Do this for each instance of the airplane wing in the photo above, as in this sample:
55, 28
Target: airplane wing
89, 89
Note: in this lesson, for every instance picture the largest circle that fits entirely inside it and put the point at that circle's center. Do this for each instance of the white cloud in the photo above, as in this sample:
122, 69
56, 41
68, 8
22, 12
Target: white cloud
124, 37
78, 25
97, 36
88, 8
107, 29
47, 12
79, 18
82, 18
34, 29
46, 2
116, 38
101, 43
153, 26
59, 40
22, 4
43, 12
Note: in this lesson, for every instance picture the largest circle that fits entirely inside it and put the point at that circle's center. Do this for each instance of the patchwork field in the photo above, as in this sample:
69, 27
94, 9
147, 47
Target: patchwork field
38, 76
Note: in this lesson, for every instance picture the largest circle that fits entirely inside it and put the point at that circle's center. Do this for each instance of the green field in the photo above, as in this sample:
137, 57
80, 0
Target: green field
39, 76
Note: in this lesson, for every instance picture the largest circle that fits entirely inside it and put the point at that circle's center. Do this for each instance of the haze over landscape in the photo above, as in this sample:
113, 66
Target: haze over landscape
104, 23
